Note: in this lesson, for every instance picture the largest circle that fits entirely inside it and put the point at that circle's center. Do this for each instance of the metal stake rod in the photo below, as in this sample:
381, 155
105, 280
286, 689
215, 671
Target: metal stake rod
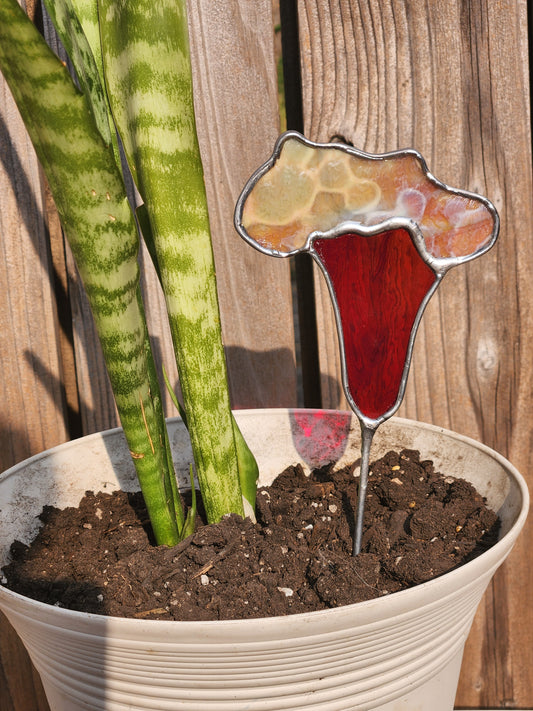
367, 435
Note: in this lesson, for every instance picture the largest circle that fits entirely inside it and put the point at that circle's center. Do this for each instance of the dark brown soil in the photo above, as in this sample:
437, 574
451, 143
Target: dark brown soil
419, 524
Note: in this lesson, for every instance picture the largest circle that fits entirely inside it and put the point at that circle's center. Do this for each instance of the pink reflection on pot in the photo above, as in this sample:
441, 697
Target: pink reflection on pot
320, 436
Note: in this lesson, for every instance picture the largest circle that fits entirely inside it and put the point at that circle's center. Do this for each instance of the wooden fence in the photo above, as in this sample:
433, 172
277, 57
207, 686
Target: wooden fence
449, 78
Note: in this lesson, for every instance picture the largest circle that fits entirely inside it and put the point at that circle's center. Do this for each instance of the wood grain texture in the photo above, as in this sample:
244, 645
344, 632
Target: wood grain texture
64, 314
232, 46
31, 391
451, 80
20, 684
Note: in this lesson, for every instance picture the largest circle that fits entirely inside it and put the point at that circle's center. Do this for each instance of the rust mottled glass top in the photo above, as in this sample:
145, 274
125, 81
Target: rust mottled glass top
311, 188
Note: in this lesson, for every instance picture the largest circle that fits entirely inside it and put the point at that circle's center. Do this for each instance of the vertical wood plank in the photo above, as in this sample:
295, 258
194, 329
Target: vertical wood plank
451, 80
31, 390
232, 46
32, 395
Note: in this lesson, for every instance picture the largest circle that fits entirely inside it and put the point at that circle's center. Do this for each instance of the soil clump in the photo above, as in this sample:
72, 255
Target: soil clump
297, 558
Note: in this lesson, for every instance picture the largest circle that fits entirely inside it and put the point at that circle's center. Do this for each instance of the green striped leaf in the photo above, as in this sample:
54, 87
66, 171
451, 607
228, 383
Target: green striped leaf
74, 40
148, 77
87, 13
89, 193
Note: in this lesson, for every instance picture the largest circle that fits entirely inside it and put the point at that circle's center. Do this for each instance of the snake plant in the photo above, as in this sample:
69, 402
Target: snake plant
133, 88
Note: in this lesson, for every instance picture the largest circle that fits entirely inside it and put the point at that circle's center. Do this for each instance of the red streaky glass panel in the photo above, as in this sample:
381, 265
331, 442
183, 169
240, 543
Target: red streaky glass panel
380, 282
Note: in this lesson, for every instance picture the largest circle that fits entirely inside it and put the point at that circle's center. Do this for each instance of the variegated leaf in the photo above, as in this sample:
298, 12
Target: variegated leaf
89, 193
148, 75
73, 37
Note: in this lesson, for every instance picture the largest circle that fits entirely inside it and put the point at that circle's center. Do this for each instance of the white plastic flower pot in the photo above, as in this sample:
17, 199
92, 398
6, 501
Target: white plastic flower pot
399, 652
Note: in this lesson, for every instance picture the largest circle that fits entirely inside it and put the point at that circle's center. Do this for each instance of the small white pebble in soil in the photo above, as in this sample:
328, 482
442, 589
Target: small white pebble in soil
3, 580
284, 550
332, 508
100, 598
204, 579
449, 480
398, 559
434, 539
174, 601
309, 527
397, 481
98, 513
288, 592
157, 593
299, 535
314, 504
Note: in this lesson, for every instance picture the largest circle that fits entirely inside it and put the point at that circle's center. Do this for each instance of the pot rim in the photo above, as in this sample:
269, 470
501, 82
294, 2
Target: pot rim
441, 586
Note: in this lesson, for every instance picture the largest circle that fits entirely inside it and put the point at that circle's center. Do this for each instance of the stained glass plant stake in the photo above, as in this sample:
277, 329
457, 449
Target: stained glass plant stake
384, 232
